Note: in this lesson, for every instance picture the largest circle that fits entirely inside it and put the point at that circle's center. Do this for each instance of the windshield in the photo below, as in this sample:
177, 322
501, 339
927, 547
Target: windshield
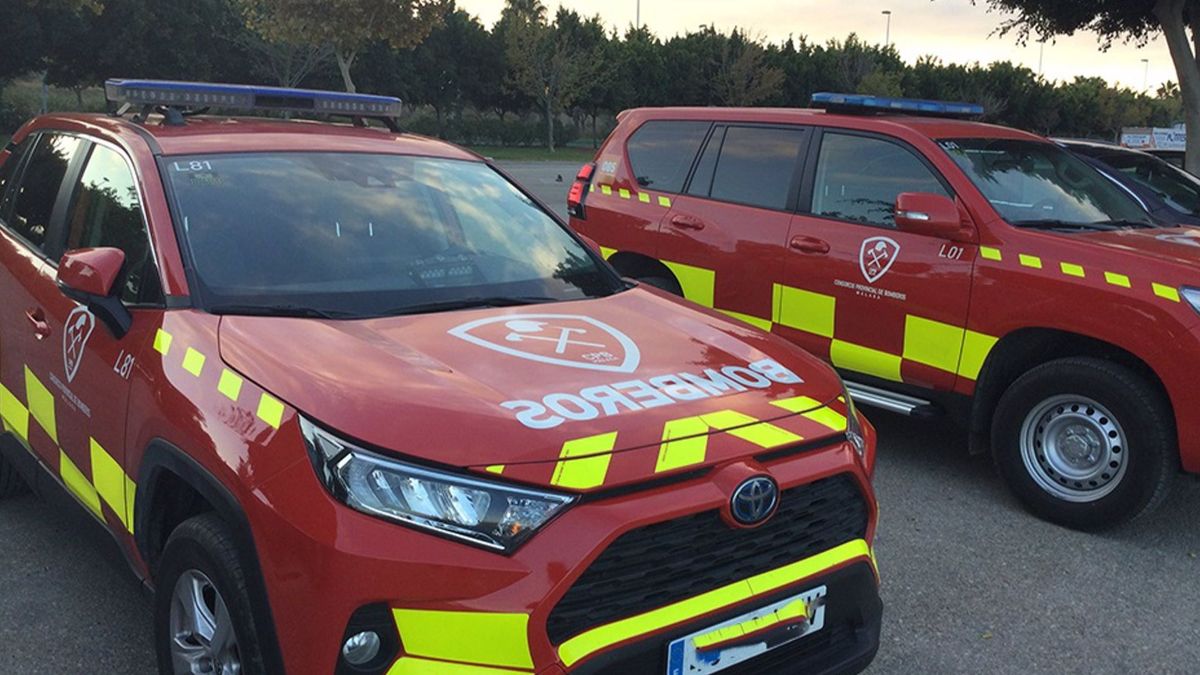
1034, 183
342, 234
1179, 189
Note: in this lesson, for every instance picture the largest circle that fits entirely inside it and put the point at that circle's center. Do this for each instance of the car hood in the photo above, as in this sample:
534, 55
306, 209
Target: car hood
1179, 245
493, 389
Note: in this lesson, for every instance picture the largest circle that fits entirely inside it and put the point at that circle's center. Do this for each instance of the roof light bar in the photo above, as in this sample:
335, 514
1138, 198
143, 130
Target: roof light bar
248, 97
862, 103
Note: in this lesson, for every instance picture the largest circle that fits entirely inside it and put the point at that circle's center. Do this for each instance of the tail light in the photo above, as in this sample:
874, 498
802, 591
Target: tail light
579, 190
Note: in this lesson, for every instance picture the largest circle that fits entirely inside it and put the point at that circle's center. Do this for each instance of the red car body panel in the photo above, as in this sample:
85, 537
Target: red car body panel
990, 282
227, 392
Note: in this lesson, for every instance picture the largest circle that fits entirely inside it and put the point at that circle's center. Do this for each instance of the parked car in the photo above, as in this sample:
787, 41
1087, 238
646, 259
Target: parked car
351, 401
944, 265
1170, 195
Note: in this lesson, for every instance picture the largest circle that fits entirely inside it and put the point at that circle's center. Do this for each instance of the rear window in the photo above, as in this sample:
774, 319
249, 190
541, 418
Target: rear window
756, 165
661, 153
34, 201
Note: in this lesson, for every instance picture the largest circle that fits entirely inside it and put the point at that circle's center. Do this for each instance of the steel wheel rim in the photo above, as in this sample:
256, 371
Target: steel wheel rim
203, 641
1074, 448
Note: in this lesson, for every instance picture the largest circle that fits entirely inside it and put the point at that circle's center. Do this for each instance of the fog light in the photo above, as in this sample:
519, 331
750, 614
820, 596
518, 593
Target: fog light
361, 648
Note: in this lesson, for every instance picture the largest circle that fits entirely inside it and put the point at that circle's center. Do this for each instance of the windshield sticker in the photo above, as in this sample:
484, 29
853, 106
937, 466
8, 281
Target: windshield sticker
876, 257
632, 395
559, 339
78, 329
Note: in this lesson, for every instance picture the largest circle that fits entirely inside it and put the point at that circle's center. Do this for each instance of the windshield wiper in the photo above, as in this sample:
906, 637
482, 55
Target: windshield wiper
281, 310
467, 303
1054, 224
1127, 224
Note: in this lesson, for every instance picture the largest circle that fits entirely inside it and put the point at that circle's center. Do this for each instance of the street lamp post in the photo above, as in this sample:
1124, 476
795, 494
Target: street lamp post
887, 34
638, 15
1145, 74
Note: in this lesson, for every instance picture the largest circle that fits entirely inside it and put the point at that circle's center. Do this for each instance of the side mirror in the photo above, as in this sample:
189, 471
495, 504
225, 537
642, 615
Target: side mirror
89, 276
928, 214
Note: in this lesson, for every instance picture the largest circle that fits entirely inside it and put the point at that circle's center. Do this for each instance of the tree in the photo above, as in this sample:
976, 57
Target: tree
543, 62
743, 77
347, 26
1130, 21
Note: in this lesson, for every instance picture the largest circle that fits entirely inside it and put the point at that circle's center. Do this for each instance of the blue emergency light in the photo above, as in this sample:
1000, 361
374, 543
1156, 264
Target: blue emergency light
248, 97
863, 103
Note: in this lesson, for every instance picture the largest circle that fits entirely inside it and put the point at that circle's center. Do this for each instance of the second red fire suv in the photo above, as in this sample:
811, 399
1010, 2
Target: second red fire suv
943, 265
352, 402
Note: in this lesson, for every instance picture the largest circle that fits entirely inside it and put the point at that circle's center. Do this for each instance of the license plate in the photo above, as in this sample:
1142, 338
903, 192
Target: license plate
744, 637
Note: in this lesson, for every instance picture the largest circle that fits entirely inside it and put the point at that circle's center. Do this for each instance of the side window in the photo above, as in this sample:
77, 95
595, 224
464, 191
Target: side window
34, 200
756, 165
702, 177
859, 178
7, 170
106, 212
661, 153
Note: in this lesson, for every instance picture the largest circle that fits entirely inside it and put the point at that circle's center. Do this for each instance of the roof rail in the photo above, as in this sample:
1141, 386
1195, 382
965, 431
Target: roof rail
864, 104
176, 100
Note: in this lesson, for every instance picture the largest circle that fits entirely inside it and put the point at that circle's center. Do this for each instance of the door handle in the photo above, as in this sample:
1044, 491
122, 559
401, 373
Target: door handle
809, 244
37, 318
687, 222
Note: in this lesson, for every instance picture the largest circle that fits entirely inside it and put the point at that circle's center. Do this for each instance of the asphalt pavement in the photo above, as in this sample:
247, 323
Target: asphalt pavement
971, 583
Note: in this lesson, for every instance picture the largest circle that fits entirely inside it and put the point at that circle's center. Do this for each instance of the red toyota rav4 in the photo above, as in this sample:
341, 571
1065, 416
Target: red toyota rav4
351, 401
943, 265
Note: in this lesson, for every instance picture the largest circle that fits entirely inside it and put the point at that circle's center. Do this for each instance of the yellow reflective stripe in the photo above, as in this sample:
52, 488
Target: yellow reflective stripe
812, 409
491, 639
1072, 270
584, 472
697, 283
745, 427
606, 252
624, 193
78, 484
865, 360
495, 468
130, 495
1030, 261
1116, 279
270, 410
762, 324
804, 310
644, 197
193, 361
664, 202
976, 347
110, 482
1169, 292
684, 443
792, 610
932, 343
162, 341
14, 413
602, 637
230, 384
990, 253
606, 189
410, 666
41, 404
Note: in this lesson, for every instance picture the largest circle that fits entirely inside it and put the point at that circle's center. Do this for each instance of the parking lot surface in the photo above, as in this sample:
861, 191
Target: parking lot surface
972, 584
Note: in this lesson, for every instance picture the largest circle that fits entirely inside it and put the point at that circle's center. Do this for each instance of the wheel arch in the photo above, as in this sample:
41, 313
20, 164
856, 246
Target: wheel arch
172, 487
633, 264
1020, 350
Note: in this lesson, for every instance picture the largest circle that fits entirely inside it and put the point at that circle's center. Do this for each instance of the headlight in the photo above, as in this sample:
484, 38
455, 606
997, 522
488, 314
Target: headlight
491, 515
854, 432
1192, 295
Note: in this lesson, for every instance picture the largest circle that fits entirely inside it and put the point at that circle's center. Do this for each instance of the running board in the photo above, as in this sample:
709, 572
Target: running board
891, 401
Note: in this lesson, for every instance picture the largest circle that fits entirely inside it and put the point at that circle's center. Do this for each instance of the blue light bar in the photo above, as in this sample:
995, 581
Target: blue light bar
868, 104
248, 97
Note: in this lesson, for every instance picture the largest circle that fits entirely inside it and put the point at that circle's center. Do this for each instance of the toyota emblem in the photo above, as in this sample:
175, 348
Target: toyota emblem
754, 500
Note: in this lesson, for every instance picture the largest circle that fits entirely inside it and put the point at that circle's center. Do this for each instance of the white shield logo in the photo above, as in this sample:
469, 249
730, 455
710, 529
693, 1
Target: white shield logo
1187, 238
876, 256
80, 323
560, 339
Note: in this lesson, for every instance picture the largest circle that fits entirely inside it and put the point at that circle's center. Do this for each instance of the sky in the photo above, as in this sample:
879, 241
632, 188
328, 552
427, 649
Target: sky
954, 30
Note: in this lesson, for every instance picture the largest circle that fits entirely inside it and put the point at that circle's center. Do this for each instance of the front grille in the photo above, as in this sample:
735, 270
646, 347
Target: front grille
671, 561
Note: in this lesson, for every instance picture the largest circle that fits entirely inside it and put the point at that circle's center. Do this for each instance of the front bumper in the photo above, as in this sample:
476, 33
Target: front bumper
459, 610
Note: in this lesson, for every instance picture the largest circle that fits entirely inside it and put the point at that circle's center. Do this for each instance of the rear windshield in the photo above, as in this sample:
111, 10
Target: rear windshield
365, 235
1030, 182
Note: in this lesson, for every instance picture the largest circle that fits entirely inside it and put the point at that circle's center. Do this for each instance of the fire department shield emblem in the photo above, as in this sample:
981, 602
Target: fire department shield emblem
876, 256
560, 339
79, 326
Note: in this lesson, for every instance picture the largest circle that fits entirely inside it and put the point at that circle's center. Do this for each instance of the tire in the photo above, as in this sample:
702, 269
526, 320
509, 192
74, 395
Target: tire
663, 283
11, 483
1085, 443
201, 561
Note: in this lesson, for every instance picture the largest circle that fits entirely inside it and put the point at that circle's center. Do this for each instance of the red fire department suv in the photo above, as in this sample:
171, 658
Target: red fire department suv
354, 403
942, 265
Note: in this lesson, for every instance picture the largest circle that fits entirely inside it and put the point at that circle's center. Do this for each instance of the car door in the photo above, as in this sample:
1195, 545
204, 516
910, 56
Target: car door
723, 237
873, 299
85, 364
